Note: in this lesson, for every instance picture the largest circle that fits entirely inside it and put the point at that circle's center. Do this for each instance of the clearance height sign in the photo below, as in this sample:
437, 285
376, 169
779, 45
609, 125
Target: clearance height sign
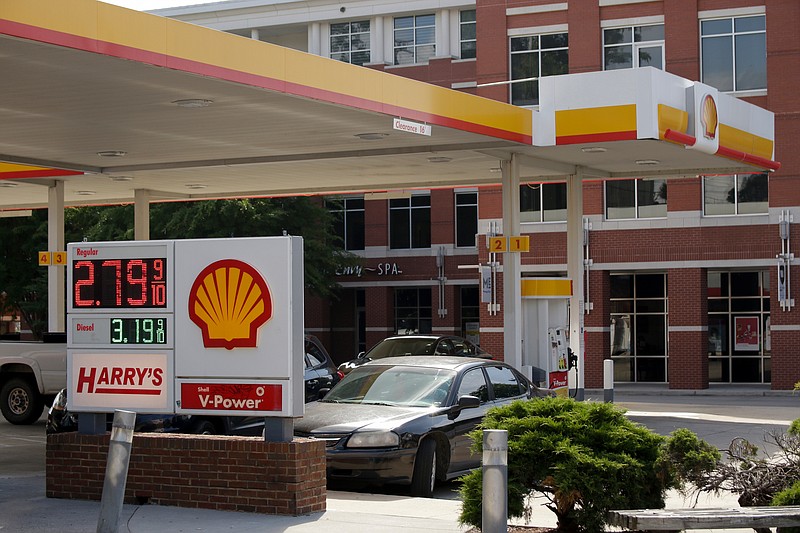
212, 326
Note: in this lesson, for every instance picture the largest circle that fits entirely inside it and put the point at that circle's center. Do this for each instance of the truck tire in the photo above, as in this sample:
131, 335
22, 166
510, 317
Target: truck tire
20, 402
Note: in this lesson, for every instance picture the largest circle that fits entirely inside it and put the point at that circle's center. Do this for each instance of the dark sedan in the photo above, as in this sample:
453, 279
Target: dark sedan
406, 419
402, 345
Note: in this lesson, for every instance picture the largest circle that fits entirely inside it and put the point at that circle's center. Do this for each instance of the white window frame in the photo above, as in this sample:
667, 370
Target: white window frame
636, 207
539, 187
732, 15
538, 52
414, 45
461, 40
350, 34
410, 227
736, 209
635, 46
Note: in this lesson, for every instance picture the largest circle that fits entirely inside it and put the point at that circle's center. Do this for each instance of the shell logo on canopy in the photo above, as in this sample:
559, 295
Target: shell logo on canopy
708, 117
229, 300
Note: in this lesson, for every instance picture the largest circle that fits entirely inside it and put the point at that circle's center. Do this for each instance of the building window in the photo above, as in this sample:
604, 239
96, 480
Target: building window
466, 218
350, 42
737, 194
348, 221
413, 311
739, 341
410, 222
633, 47
414, 39
471, 314
733, 53
468, 36
639, 327
534, 57
543, 202
636, 198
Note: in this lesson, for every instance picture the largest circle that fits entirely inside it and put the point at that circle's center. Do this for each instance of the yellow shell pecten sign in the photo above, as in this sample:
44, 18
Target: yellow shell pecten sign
229, 301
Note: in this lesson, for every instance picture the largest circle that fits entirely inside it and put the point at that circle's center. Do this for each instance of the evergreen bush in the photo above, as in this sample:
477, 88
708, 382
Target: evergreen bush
586, 458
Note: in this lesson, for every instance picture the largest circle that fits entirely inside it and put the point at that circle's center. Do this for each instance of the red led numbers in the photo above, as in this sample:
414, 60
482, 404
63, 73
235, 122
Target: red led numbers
119, 283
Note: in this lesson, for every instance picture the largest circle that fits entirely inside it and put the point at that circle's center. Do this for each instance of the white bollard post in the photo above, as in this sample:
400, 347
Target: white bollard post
608, 380
119, 455
495, 481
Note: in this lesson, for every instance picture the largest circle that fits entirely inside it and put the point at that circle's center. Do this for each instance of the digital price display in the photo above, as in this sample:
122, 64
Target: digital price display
119, 283
138, 330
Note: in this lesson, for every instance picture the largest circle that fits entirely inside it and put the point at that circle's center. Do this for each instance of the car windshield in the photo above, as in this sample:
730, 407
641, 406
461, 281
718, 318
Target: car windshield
401, 346
406, 386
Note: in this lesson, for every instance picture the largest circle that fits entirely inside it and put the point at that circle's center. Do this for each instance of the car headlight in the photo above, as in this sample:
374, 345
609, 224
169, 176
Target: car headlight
373, 439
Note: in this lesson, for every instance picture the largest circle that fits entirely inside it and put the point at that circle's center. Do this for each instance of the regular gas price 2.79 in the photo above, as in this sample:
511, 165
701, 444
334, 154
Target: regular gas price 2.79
119, 283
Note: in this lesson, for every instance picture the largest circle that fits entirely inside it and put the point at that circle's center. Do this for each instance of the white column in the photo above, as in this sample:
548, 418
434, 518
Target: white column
254, 34
512, 297
56, 294
443, 34
141, 215
376, 45
575, 271
314, 38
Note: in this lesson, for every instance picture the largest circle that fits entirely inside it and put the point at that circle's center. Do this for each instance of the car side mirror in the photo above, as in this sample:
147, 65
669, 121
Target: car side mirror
464, 402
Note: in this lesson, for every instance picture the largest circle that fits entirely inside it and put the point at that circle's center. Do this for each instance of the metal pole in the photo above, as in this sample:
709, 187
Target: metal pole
119, 454
495, 481
608, 380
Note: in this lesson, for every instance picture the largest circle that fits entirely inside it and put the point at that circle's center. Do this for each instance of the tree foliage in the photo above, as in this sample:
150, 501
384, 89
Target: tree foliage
586, 458
25, 284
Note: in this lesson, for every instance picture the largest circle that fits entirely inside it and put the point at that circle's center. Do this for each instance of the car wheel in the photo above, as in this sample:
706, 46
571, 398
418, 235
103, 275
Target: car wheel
20, 403
204, 427
424, 477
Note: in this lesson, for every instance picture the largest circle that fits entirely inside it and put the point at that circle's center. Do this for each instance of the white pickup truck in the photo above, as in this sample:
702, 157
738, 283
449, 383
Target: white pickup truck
31, 374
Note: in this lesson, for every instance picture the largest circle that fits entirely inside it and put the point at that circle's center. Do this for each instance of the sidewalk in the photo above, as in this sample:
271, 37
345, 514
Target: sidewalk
24, 509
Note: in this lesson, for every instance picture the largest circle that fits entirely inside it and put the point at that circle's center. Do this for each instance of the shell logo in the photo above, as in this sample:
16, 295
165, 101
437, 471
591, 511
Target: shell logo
708, 117
229, 301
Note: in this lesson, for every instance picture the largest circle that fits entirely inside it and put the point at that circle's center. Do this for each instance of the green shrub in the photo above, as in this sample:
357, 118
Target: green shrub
586, 457
788, 496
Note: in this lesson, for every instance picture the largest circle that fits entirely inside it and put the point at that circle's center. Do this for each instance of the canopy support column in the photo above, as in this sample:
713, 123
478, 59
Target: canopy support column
512, 297
56, 320
141, 215
575, 272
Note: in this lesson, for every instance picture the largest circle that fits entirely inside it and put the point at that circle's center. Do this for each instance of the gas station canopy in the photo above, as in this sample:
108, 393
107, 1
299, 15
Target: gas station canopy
111, 101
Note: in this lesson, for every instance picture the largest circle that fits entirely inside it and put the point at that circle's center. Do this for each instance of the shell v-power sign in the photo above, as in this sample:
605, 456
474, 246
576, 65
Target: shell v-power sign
208, 326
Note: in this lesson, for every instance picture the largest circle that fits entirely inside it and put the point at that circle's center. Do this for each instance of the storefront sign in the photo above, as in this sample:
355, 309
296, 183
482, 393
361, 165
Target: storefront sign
381, 269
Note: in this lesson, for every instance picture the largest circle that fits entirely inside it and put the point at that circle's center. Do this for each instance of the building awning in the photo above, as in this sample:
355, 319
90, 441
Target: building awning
112, 101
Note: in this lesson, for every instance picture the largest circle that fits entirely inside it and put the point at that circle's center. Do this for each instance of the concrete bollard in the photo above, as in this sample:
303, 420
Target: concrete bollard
495, 481
608, 380
119, 455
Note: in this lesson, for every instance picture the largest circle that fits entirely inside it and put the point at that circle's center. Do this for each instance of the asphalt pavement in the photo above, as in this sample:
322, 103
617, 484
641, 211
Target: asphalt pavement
717, 415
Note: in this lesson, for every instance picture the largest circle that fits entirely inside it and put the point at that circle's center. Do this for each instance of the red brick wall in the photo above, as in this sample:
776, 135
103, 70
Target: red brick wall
688, 333
442, 216
201, 471
597, 346
685, 194
785, 333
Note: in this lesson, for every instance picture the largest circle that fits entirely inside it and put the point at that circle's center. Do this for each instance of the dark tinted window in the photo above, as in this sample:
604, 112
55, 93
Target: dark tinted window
474, 384
504, 382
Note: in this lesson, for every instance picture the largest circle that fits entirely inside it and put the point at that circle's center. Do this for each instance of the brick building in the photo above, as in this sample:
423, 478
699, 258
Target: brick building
682, 276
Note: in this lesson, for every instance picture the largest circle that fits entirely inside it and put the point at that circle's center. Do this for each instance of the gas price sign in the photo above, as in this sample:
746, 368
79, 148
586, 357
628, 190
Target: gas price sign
138, 330
125, 276
119, 283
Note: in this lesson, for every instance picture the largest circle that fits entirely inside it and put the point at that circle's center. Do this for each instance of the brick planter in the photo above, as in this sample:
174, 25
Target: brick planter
203, 471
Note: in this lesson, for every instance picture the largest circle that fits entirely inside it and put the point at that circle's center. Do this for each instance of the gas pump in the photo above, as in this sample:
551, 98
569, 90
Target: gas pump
545, 321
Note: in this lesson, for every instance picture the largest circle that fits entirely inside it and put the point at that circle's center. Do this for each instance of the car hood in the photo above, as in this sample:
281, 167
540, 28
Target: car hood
324, 417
